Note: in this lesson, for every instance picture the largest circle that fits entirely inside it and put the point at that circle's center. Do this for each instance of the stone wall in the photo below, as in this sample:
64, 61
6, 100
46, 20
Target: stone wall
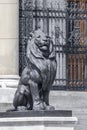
9, 57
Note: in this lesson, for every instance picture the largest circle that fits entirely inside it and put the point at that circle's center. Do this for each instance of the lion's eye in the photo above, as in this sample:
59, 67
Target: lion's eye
38, 36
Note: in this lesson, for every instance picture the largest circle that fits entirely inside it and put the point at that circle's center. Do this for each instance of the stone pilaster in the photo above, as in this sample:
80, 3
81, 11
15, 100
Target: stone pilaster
9, 42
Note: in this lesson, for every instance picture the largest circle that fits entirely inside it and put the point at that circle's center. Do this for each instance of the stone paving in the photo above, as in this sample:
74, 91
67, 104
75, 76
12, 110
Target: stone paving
75, 101
62, 100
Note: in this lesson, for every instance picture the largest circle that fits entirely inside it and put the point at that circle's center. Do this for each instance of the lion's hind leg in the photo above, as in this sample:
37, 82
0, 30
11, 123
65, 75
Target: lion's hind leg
20, 101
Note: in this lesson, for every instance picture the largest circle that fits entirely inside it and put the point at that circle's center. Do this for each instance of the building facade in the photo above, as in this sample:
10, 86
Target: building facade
66, 22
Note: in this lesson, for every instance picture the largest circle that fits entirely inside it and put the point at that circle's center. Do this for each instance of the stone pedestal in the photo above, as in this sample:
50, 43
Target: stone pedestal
9, 42
32, 121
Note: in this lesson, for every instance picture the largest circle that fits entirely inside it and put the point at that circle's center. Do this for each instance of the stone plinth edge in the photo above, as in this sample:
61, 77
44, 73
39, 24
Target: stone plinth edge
59, 121
35, 122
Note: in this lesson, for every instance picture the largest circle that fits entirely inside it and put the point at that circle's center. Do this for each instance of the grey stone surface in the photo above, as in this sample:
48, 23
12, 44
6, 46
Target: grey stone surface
75, 101
62, 100
9, 47
38, 123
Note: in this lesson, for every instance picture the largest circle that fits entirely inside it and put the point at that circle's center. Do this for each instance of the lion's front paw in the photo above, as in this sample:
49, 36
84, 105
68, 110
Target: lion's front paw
49, 107
21, 108
38, 106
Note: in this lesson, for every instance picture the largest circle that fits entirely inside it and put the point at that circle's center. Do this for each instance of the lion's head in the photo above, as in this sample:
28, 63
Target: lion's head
40, 45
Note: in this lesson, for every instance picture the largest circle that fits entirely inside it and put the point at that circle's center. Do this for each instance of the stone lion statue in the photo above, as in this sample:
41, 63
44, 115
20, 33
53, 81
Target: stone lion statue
38, 76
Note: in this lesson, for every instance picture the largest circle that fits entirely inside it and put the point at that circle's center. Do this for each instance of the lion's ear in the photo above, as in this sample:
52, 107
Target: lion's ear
31, 35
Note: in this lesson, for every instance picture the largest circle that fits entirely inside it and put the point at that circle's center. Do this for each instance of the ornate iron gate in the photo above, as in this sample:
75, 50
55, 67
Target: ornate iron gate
66, 23
76, 45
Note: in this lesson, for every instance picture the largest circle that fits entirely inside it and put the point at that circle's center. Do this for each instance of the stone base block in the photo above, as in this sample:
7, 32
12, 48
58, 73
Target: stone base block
34, 122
